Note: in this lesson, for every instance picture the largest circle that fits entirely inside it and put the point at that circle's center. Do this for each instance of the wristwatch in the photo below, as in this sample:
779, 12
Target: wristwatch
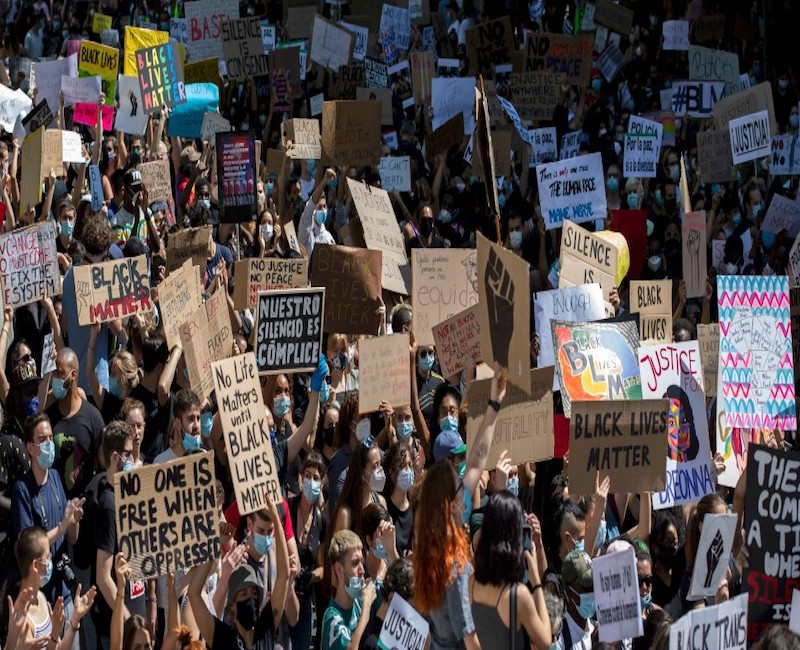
494, 404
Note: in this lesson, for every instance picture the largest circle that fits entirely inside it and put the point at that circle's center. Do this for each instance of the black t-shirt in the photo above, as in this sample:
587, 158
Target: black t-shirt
403, 525
369, 640
227, 638
111, 407
156, 422
76, 440
307, 551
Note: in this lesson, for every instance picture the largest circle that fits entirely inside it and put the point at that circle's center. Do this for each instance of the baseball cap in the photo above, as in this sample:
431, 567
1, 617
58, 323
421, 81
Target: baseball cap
189, 155
25, 372
243, 577
132, 177
576, 570
448, 443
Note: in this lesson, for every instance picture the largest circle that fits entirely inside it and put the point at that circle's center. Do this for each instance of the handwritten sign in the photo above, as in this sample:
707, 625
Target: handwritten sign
783, 214
384, 372
714, 157
188, 243
708, 339
256, 275
160, 73
179, 296
81, 90
721, 627
28, 264
614, 16
305, 139
102, 61
167, 516
289, 330
652, 300
451, 96
395, 173
490, 43
561, 54
351, 132
243, 48
745, 102
156, 178
570, 191
458, 341
642, 148
251, 460
206, 337
205, 19
586, 258
109, 290
331, 45
100, 23
676, 35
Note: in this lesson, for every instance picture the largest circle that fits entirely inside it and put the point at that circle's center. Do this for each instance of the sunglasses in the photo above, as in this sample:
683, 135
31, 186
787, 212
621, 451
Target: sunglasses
647, 581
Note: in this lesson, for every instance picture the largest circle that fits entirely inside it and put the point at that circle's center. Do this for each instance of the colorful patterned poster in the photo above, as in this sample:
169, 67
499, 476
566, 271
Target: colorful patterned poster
674, 371
756, 370
596, 361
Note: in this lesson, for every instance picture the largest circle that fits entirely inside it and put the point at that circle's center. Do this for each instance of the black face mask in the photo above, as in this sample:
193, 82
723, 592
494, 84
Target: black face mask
667, 553
328, 435
670, 205
247, 613
426, 226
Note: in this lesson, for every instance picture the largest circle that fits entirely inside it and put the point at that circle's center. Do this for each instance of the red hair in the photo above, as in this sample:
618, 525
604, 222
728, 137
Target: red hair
441, 543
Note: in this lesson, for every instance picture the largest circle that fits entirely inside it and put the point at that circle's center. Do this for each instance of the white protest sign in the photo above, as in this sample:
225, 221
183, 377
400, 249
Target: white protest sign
570, 145
399, 20
131, 117
750, 137
268, 37
616, 591
403, 628
676, 35
451, 96
642, 148
81, 90
783, 214
794, 268
395, 173
71, 150
315, 104
580, 304
545, 146
331, 45
513, 115
361, 36
711, 558
610, 62
47, 78
572, 190
722, 627
213, 123
785, 156
13, 104
179, 30
794, 620
204, 19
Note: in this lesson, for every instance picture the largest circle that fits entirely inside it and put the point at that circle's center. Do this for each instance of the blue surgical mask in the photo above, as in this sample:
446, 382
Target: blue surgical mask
580, 545
47, 454
380, 552
206, 423
448, 423
281, 405
48, 572
633, 200
311, 489
426, 363
647, 600
600, 538
320, 216
31, 406
501, 200
586, 606
405, 429
127, 465
612, 184
59, 390
445, 216
262, 543
659, 198
354, 587
462, 468
204, 203
654, 263
736, 217
513, 485
767, 238
114, 388
190, 442
311, 166
597, 84
714, 189
67, 227
515, 239
405, 479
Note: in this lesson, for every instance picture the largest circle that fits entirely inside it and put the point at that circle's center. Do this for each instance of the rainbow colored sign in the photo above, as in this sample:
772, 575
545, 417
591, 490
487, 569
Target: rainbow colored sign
756, 372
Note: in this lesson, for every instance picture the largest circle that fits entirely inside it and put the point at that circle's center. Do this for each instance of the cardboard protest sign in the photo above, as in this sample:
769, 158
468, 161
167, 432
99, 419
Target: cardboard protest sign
28, 264
188, 243
750, 137
505, 322
289, 330
446, 136
360, 39
243, 48
236, 159
167, 515
206, 337
596, 361
714, 157
423, 71
490, 43
623, 439
352, 281
783, 215
570, 145
652, 300
676, 35
205, 19
721, 627
251, 460
696, 98
331, 45
561, 54
445, 283
770, 498
458, 341
536, 94
103, 61
203, 71
383, 96
708, 339
305, 139
785, 157
109, 290
160, 73
616, 588
695, 267
349, 79
642, 148
256, 275
524, 426
756, 368
137, 38
570, 190
384, 372
586, 258
403, 628
745, 102
715, 65
451, 96
673, 370
579, 304
156, 178
711, 557
179, 296
351, 133
395, 173
614, 16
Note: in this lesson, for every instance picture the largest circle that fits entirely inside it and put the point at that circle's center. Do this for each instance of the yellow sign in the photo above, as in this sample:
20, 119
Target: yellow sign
100, 23
139, 39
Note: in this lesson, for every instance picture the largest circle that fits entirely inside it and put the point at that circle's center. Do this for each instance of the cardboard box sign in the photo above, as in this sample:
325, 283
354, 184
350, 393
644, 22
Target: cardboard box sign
351, 133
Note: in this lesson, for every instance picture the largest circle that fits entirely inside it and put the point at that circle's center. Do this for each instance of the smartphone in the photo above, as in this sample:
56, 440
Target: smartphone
527, 538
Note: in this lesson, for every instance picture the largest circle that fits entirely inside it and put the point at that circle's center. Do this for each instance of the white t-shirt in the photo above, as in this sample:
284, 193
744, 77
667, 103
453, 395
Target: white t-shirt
581, 639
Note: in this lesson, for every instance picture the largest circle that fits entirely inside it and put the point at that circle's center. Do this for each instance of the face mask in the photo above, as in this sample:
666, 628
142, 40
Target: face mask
515, 237
247, 613
462, 467
653, 20
667, 553
380, 552
586, 605
612, 184
354, 587
513, 485
670, 205
715, 189
757, 71
190, 442
448, 423
601, 534
794, 120
736, 217
632, 104
675, 172
311, 489
426, 226
617, 149
654, 262
311, 166
633, 200
460, 184
467, 505
659, 198
114, 388
405, 429
245, 126
48, 572
757, 210
320, 216
127, 465
731, 268
164, 27
768, 239
445, 216
377, 480
580, 545
405, 479
204, 203
47, 454
280, 406
206, 423
65, 34
426, 363
647, 600
67, 227
262, 543
339, 362
328, 434
59, 390
596, 85
270, 188
262, 119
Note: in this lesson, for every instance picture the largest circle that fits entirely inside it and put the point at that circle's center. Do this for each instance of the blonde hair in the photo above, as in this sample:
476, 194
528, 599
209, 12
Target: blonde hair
342, 542
130, 370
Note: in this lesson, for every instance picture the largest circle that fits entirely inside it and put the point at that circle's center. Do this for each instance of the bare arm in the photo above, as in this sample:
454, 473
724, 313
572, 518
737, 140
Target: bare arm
281, 587
8, 315
642, 528
168, 375
48, 199
55, 324
479, 451
205, 621
307, 427
122, 154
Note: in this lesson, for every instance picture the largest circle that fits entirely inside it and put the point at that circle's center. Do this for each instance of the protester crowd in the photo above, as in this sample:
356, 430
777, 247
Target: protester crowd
393, 503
